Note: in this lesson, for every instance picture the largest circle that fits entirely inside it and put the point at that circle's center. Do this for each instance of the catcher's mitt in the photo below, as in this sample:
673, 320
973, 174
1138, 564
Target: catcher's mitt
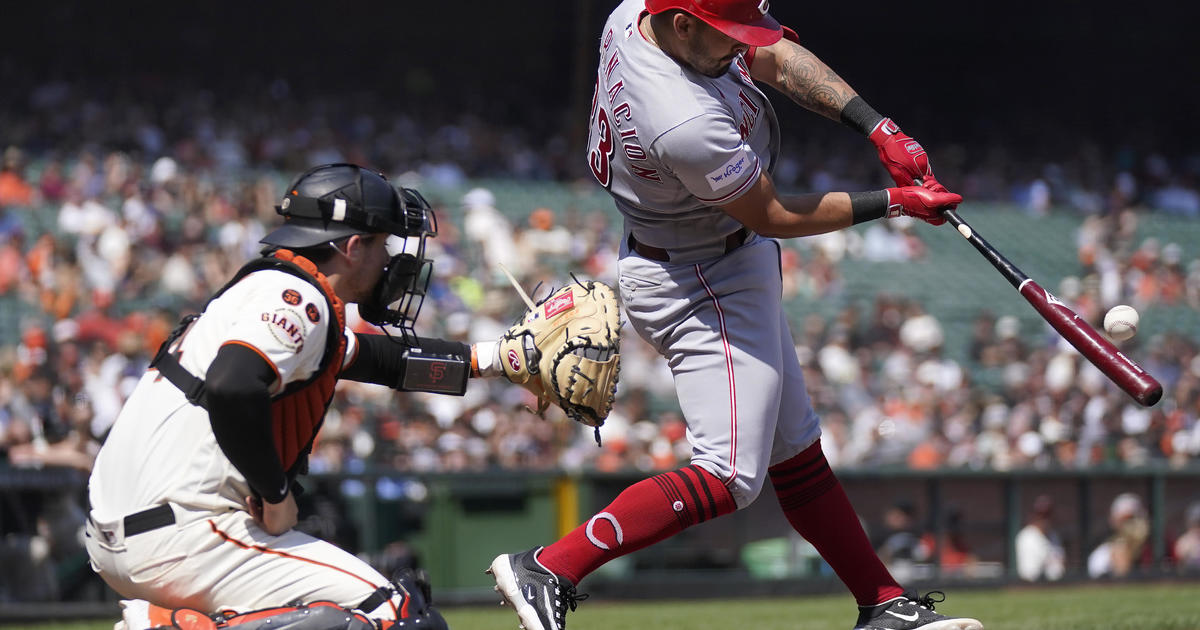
566, 350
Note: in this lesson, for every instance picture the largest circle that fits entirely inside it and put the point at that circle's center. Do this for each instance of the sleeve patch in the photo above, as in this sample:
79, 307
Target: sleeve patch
287, 327
313, 313
291, 297
727, 174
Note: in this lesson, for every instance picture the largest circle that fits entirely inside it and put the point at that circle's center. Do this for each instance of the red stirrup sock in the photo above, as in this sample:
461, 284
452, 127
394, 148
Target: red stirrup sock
817, 507
646, 512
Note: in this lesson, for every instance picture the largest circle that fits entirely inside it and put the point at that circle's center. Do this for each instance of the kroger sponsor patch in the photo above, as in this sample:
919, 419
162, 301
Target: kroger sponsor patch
727, 174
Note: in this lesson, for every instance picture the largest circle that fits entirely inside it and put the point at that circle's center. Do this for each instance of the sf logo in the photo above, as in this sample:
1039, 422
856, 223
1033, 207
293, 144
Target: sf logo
437, 372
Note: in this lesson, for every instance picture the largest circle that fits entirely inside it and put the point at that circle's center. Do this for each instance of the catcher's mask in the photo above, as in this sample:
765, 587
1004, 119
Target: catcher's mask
334, 201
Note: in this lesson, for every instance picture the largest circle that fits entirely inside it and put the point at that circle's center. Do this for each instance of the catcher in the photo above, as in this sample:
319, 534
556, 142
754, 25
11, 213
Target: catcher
193, 494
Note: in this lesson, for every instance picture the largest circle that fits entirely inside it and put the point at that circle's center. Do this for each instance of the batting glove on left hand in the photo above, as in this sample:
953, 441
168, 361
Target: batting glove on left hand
903, 157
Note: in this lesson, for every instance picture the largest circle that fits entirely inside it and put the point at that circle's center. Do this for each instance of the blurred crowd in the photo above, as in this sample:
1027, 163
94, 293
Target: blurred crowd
272, 124
1048, 547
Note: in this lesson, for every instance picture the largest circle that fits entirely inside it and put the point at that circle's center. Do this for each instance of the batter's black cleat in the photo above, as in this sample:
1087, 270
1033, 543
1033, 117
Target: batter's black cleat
909, 612
540, 597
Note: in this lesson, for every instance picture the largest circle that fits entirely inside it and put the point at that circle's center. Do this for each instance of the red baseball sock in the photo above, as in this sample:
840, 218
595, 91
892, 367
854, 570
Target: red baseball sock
646, 512
816, 505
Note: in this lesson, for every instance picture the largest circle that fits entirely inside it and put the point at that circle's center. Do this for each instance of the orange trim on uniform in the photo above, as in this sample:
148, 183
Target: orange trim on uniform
244, 344
284, 554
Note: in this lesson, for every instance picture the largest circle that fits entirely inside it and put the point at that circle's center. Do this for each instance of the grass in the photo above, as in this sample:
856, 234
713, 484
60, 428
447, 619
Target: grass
1109, 606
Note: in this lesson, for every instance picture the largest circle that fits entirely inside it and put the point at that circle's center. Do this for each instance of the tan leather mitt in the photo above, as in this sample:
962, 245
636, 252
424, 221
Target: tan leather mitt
566, 350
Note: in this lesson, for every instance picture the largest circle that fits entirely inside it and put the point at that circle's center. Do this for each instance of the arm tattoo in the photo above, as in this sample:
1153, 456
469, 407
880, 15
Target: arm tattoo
813, 85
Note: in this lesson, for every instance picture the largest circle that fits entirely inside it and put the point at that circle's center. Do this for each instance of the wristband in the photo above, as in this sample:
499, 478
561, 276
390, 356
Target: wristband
486, 355
858, 115
868, 206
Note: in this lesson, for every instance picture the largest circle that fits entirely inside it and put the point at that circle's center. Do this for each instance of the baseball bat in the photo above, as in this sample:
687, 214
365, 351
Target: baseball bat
1129, 376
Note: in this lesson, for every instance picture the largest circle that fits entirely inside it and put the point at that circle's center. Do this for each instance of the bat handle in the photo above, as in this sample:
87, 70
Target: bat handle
1010, 271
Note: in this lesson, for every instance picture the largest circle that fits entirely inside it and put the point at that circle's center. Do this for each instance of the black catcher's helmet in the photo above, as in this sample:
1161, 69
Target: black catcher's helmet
334, 201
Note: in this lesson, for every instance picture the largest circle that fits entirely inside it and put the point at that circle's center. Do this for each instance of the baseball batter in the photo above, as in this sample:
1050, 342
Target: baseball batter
685, 141
193, 495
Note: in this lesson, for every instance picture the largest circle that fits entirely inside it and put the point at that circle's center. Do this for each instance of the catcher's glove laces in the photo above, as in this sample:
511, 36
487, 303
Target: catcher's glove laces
566, 350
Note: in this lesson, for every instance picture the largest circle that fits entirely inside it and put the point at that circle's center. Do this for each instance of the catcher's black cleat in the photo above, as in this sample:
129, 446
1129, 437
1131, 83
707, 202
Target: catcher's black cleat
909, 612
415, 610
540, 597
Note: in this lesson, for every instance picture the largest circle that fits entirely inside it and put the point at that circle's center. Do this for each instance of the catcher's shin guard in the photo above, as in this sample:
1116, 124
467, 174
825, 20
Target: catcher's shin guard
430, 619
415, 611
314, 616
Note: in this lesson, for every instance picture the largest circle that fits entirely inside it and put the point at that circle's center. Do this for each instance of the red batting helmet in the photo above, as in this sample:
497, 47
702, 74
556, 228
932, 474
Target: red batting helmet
747, 21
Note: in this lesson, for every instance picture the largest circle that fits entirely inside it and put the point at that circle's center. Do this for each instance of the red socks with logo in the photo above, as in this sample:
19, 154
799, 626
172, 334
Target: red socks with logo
817, 507
659, 507
646, 512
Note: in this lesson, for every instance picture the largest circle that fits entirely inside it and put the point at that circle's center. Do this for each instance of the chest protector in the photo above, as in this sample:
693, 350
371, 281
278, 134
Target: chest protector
298, 411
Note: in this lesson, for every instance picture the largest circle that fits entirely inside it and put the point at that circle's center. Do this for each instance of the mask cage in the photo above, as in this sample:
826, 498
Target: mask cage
401, 291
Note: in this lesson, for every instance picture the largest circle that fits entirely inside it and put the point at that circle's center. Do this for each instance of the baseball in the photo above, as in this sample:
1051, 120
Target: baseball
1121, 322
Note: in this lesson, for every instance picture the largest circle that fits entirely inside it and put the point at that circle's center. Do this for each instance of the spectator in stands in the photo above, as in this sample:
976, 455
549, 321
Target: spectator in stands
1039, 550
1187, 546
14, 190
953, 552
52, 184
1125, 547
76, 449
488, 230
898, 542
544, 237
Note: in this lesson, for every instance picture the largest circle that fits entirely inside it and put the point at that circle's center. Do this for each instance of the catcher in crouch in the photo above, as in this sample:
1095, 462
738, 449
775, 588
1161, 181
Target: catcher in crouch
193, 493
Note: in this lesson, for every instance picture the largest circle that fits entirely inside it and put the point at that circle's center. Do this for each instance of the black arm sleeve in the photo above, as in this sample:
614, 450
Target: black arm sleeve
433, 365
238, 399
858, 115
868, 206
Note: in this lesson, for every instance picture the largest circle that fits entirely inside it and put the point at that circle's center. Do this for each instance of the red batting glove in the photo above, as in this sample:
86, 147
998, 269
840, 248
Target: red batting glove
933, 184
920, 202
903, 157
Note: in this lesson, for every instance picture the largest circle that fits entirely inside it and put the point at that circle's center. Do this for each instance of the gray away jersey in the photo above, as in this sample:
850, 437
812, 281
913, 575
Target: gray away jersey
670, 144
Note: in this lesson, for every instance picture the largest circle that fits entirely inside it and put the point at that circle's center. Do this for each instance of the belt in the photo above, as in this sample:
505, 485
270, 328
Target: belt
732, 242
147, 520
